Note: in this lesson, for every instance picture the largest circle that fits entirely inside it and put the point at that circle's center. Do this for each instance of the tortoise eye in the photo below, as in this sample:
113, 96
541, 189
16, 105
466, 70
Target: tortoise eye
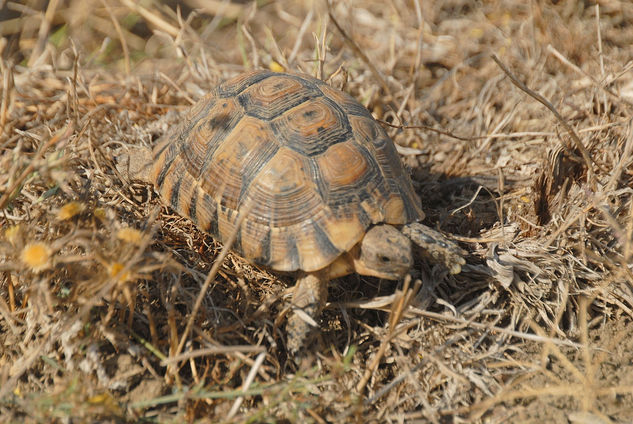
384, 259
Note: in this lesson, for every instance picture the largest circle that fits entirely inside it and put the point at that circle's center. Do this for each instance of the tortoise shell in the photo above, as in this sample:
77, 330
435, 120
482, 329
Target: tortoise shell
315, 167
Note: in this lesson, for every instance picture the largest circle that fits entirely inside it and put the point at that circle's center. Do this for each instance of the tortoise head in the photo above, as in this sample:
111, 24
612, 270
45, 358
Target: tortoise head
384, 253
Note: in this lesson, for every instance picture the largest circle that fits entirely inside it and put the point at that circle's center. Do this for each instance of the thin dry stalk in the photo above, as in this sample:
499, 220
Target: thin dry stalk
244, 211
45, 27
215, 350
7, 89
153, 18
117, 27
577, 142
600, 55
247, 384
299, 40
359, 52
402, 302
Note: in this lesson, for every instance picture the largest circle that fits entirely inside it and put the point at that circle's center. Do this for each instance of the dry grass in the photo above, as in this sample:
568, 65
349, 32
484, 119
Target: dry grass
530, 169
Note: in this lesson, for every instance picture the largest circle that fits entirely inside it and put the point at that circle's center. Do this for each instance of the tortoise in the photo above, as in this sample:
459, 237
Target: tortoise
328, 194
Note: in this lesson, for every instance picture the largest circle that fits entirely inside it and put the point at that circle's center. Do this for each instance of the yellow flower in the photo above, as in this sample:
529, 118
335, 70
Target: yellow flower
107, 402
36, 256
115, 270
130, 235
100, 214
275, 67
70, 209
12, 233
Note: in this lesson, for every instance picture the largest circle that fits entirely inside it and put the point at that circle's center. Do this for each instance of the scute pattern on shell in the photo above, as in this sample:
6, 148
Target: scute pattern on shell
317, 169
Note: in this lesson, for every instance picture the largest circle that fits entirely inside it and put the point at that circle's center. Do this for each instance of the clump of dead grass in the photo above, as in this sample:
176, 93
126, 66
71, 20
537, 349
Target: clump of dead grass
101, 306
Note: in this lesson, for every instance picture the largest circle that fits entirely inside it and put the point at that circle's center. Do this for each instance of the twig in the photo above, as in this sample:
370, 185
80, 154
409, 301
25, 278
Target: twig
177, 87
600, 54
117, 28
75, 98
251, 41
215, 350
219, 8
424, 127
579, 145
247, 384
321, 50
401, 304
7, 90
211, 276
299, 39
42, 36
6, 315
152, 18
588, 398
369, 371
352, 44
497, 135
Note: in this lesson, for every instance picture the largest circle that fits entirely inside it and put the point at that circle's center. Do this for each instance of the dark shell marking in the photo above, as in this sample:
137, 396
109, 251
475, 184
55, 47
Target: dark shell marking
317, 169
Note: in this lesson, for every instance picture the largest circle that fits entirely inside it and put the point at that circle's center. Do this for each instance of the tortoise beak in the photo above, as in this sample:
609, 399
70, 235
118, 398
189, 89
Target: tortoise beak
390, 273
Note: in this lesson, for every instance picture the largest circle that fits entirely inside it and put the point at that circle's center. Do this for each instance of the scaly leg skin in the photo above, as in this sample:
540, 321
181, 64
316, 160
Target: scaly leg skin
436, 246
307, 303
136, 163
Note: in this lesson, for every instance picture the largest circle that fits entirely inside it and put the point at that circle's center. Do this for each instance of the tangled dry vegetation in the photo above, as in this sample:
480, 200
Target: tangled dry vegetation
530, 168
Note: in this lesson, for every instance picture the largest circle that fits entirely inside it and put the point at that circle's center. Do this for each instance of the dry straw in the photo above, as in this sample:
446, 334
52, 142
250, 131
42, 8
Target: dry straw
513, 119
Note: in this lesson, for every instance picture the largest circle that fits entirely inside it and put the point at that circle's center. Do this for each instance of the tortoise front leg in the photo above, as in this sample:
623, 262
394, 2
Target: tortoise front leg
308, 301
436, 246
